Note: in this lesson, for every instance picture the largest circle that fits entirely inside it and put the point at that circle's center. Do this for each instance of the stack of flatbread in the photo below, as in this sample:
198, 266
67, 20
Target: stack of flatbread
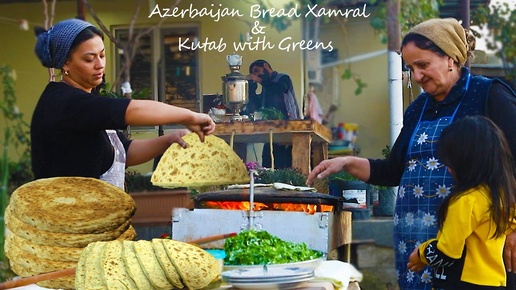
51, 221
208, 163
157, 264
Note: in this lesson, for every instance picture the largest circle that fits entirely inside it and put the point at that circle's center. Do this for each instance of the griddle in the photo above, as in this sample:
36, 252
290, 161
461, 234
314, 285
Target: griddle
268, 195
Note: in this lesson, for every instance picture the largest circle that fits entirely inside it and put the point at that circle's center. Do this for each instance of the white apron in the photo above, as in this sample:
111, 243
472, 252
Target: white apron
116, 173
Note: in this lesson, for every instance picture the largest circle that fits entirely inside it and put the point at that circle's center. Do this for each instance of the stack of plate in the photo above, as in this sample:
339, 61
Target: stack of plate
267, 278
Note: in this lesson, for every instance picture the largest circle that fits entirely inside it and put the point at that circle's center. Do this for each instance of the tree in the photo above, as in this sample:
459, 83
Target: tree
131, 46
500, 19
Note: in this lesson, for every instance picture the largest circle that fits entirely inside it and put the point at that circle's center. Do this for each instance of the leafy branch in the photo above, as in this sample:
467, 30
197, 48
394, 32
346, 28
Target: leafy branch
411, 13
16, 133
500, 19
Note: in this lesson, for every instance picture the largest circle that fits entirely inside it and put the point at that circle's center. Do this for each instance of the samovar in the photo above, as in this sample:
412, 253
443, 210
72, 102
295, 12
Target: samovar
234, 87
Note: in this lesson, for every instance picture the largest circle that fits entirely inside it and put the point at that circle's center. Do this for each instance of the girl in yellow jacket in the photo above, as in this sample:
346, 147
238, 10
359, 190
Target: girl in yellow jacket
475, 217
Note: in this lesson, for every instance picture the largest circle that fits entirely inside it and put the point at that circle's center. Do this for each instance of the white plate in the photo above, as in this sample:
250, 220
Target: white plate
270, 286
312, 264
268, 280
267, 274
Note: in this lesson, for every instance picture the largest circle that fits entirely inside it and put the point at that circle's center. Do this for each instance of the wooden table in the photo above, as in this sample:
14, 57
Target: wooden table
309, 138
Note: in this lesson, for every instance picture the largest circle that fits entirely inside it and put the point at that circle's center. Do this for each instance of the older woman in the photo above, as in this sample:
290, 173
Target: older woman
435, 51
75, 132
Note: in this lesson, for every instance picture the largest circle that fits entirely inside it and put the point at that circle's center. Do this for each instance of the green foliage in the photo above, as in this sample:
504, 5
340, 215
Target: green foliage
386, 152
6, 274
292, 176
108, 91
135, 181
348, 74
16, 135
271, 114
253, 247
501, 22
341, 176
412, 12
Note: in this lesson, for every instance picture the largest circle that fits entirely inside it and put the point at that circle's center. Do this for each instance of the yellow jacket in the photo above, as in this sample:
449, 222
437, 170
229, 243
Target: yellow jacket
468, 223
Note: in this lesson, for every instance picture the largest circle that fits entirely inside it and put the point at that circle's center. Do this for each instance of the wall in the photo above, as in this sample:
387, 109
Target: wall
370, 109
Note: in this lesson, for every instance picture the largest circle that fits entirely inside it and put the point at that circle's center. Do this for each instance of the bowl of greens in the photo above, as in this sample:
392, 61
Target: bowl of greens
253, 248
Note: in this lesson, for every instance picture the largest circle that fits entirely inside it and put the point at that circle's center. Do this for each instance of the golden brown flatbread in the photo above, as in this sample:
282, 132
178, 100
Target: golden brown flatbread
67, 254
208, 163
128, 235
25, 264
72, 205
100, 265
133, 267
49, 238
196, 267
114, 268
170, 270
80, 271
93, 278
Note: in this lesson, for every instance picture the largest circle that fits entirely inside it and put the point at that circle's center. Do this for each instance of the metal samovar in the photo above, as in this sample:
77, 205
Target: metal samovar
234, 87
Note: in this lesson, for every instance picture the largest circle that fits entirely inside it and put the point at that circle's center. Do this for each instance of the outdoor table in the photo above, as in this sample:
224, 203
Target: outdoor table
309, 138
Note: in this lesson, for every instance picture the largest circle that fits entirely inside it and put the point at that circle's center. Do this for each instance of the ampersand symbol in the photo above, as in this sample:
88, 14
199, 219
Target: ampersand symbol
257, 29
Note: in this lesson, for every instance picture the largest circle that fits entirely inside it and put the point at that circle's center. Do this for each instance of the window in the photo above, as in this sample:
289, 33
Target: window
172, 76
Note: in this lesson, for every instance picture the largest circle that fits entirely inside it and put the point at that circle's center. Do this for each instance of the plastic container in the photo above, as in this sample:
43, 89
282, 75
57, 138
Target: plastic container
357, 197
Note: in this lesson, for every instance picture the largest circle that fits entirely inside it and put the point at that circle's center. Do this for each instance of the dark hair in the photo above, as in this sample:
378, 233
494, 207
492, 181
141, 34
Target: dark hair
477, 153
260, 63
84, 35
422, 42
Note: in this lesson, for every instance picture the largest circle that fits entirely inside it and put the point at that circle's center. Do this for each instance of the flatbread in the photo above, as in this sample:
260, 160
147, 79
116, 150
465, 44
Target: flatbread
128, 235
67, 254
196, 267
25, 264
93, 278
49, 238
208, 163
80, 271
72, 205
167, 265
150, 265
133, 267
114, 268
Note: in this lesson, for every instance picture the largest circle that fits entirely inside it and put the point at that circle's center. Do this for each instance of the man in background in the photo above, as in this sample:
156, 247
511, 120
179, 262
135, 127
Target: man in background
277, 92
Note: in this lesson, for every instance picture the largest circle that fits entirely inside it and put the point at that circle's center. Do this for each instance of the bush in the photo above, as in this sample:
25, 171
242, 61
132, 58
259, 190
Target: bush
135, 181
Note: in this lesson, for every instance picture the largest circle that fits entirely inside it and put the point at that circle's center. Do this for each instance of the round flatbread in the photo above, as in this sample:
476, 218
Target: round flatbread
25, 264
72, 205
208, 163
114, 268
150, 265
68, 254
80, 271
133, 267
77, 240
196, 267
167, 265
128, 235
93, 278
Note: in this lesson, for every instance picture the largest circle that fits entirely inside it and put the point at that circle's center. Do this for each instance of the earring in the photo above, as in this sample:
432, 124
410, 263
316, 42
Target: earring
449, 69
66, 72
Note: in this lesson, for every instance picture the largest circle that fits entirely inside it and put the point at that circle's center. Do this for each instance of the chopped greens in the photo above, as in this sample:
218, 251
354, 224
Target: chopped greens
252, 247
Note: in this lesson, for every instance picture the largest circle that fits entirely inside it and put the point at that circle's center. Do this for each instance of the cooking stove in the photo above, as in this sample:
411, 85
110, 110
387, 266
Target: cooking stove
313, 218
